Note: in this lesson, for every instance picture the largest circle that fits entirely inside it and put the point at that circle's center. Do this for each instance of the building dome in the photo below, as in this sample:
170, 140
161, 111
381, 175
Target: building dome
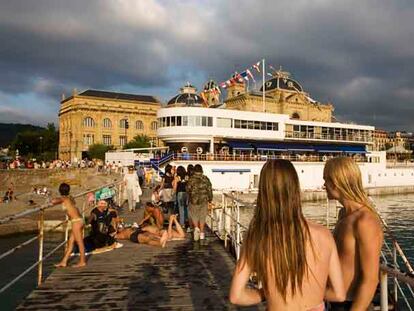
282, 80
187, 97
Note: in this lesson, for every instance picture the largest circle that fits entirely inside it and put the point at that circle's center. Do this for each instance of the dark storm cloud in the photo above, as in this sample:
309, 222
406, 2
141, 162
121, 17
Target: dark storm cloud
356, 54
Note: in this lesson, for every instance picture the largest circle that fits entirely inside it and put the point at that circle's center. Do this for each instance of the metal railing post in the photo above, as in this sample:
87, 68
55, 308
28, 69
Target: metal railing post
238, 231
66, 231
225, 223
41, 238
384, 290
394, 257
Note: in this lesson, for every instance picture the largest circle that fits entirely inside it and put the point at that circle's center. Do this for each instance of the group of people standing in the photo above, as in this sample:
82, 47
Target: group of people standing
299, 263
187, 193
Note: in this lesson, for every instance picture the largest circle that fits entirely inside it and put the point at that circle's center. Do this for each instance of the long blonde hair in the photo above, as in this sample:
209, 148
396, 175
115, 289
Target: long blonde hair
345, 174
275, 244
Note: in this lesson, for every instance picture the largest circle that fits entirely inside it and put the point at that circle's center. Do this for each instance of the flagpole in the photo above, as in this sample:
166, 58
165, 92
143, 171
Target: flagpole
263, 87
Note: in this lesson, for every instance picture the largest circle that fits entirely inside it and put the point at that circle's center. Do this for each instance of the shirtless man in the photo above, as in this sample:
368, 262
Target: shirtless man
138, 235
358, 233
68, 205
153, 215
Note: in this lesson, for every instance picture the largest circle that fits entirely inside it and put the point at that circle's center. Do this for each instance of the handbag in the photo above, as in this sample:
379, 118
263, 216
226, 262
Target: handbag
168, 195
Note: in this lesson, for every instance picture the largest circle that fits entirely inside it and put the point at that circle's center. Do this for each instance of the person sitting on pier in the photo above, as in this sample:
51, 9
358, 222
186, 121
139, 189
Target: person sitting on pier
294, 259
152, 216
156, 196
358, 233
103, 226
68, 205
138, 235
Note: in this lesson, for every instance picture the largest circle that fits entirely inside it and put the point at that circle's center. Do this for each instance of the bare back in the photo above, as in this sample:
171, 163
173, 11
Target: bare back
314, 285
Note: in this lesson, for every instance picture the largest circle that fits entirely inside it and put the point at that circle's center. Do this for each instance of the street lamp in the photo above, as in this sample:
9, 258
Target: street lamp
41, 144
126, 124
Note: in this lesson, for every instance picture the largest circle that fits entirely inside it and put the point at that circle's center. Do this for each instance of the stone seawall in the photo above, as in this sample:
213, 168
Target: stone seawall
23, 182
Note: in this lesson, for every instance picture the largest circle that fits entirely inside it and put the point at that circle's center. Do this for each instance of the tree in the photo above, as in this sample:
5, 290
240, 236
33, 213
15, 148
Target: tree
97, 151
41, 144
139, 141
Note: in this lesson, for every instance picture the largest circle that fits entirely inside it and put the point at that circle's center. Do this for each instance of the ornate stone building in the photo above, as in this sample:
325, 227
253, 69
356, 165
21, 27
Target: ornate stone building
104, 117
283, 96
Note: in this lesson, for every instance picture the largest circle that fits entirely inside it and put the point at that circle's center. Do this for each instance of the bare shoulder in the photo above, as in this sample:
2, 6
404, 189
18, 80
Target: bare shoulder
320, 232
368, 224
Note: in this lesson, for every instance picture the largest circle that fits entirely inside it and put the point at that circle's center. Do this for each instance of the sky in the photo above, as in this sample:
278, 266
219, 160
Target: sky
356, 54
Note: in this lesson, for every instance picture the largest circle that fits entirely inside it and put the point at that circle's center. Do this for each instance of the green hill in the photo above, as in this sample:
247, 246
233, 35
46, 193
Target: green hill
8, 131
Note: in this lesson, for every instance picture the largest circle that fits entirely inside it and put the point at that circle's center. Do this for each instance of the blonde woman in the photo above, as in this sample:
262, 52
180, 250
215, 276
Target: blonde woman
291, 257
358, 233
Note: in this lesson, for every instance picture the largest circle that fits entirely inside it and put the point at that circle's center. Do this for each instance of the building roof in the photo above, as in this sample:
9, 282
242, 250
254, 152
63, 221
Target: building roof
187, 97
398, 149
114, 95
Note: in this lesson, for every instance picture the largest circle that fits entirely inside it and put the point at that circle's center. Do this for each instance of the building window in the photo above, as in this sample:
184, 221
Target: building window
122, 140
223, 122
107, 140
295, 115
107, 123
88, 122
88, 139
139, 125
122, 123
154, 125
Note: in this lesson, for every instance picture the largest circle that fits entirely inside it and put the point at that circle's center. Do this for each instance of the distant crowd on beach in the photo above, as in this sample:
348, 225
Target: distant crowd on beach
20, 163
298, 264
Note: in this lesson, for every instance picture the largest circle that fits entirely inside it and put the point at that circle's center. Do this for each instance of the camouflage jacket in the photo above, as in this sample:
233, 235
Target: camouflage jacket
199, 189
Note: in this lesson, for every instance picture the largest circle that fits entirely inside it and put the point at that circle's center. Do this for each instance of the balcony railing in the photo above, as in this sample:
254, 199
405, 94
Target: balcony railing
258, 157
322, 136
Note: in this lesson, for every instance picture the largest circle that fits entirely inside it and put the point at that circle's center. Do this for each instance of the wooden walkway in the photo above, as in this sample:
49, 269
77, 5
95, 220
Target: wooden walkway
185, 275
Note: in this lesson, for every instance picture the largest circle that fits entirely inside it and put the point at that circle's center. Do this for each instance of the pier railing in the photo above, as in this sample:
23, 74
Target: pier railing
224, 221
40, 211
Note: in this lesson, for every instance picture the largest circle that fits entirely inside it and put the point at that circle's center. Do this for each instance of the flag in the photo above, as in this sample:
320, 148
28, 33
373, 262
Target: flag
269, 74
249, 73
244, 75
256, 66
238, 78
272, 68
223, 85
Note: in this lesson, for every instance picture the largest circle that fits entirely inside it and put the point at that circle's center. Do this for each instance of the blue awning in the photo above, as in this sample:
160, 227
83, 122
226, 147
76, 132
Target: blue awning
231, 170
240, 145
339, 149
354, 149
272, 147
284, 147
300, 147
